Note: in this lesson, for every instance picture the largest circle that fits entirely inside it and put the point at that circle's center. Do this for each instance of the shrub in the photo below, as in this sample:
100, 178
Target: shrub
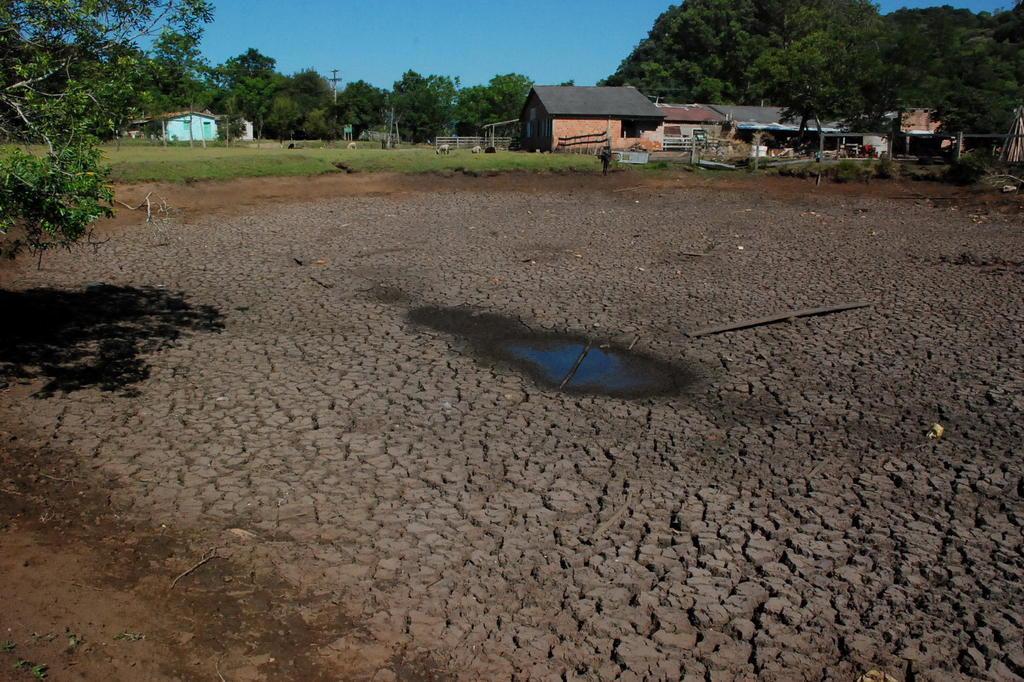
969, 169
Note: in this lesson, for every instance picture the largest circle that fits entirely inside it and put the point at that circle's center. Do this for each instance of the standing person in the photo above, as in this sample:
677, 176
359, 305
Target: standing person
606, 158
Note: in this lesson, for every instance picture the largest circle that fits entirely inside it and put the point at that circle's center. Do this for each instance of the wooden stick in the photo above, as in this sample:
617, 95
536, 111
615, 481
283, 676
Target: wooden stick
572, 372
626, 189
777, 317
323, 284
210, 554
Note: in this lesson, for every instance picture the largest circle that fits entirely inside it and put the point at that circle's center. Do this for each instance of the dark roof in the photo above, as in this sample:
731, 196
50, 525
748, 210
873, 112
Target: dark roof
593, 100
689, 113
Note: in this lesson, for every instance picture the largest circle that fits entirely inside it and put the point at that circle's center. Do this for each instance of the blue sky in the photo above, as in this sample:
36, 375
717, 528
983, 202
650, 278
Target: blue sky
548, 40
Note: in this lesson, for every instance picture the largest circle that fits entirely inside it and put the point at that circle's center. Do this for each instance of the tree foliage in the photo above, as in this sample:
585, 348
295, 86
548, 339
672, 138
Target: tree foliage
835, 59
501, 99
68, 70
424, 105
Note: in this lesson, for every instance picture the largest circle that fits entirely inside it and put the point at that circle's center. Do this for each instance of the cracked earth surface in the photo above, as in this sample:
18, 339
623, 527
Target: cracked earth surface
785, 517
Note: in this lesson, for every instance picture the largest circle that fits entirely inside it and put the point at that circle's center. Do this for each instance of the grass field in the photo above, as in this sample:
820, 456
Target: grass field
138, 163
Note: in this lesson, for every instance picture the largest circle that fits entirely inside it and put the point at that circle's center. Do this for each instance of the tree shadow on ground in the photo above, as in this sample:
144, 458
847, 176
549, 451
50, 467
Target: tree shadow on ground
94, 337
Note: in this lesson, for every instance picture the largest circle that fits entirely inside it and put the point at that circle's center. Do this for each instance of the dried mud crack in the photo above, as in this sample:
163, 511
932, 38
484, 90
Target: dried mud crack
412, 511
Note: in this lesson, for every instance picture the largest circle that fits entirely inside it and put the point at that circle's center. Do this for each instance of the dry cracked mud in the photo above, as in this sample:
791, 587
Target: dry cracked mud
786, 516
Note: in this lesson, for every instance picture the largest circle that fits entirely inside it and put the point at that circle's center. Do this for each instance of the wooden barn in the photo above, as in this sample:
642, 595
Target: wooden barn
564, 118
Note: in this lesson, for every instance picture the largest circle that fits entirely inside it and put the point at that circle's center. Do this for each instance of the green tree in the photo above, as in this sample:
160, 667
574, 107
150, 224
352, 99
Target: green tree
317, 125
835, 58
284, 117
424, 105
251, 82
180, 73
360, 105
56, 61
500, 100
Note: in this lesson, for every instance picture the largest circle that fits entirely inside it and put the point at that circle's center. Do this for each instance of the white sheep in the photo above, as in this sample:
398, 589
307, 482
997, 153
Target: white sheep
443, 149
477, 149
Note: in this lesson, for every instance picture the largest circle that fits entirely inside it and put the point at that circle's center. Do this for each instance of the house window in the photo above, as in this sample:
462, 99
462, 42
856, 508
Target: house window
630, 129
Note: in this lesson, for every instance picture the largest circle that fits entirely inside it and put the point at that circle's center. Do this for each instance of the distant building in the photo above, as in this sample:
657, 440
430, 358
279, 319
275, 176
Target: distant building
681, 120
919, 121
176, 125
564, 117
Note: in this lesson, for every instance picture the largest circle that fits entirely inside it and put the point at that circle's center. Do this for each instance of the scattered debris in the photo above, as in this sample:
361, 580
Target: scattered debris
876, 676
716, 165
968, 258
242, 534
936, 431
130, 636
777, 317
210, 555
614, 518
74, 641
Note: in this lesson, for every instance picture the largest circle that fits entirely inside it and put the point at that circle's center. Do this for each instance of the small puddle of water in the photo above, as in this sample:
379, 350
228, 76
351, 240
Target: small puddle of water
550, 358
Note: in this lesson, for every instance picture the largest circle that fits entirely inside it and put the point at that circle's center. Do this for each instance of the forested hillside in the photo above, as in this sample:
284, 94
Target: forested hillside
836, 59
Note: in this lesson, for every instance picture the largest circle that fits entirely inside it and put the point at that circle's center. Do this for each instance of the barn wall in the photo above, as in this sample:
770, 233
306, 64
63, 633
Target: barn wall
536, 124
650, 136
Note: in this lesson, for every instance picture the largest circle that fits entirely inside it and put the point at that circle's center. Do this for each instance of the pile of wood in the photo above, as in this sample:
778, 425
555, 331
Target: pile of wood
1013, 150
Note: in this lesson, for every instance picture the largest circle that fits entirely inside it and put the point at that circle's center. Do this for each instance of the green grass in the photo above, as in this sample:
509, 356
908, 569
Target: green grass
143, 163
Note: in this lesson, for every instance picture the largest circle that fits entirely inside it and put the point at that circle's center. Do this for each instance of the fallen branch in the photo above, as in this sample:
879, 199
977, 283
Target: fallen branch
777, 317
323, 284
627, 189
145, 202
210, 555
575, 367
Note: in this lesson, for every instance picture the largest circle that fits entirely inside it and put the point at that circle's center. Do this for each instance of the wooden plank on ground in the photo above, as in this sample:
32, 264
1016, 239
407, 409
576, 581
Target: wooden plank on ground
777, 317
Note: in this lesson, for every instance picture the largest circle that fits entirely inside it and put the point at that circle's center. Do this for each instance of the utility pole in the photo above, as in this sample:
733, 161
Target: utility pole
334, 81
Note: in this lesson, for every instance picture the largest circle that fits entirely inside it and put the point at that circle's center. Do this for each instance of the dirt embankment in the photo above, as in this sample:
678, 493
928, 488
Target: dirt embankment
192, 200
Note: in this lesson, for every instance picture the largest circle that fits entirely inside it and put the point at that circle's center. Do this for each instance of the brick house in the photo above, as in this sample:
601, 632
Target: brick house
620, 115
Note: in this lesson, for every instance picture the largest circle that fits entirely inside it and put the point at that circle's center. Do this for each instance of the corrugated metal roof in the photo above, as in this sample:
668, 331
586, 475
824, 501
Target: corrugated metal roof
748, 114
689, 113
578, 100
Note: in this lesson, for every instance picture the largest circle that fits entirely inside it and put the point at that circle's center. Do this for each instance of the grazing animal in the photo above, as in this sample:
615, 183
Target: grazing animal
443, 149
351, 145
477, 149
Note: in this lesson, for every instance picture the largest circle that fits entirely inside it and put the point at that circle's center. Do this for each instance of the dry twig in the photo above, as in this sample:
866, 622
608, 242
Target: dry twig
575, 367
210, 554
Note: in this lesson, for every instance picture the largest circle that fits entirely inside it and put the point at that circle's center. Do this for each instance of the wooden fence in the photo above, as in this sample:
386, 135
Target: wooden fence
468, 142
590, 143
